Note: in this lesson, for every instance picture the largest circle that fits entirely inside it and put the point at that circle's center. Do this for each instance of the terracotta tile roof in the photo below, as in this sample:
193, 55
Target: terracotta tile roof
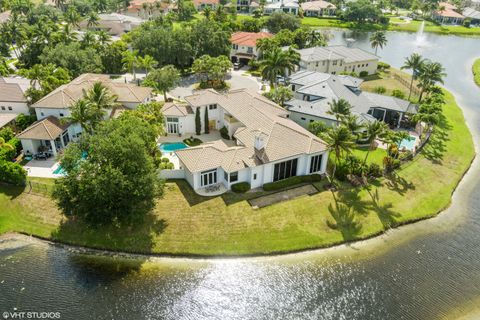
449, 11
46, 129
65, 95
259, 117
317, 5
248, 38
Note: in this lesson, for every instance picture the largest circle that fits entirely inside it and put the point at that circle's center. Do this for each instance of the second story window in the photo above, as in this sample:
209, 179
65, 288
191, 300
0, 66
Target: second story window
249, 49
212, 107
235, 46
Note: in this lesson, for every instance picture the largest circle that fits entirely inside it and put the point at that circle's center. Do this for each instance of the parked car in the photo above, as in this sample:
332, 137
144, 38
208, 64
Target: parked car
237, 66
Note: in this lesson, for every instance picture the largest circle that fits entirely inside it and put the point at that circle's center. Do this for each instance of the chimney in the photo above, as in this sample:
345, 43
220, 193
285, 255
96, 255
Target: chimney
259, 141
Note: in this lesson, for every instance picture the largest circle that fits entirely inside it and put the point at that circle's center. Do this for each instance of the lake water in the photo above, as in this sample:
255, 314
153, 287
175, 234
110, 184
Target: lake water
428, 270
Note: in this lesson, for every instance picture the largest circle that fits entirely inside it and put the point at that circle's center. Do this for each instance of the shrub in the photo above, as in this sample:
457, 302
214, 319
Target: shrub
374, 170
7, 154
277, 185
166, 166
165, 160
11, 172
363, 74
380, 89
398, 94
467, 22
390, 164
224, 133
192, 142
383, 66
7, 134
241, 187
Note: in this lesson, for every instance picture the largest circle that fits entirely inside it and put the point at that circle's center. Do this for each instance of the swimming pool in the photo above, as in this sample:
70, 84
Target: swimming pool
61, 171
408, 143
171, 147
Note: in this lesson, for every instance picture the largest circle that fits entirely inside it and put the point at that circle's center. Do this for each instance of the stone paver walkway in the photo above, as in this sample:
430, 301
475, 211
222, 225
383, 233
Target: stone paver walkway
277, 197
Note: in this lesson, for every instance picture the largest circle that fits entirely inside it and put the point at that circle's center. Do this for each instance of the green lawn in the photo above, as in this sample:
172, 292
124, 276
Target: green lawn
395, 24
185, 223
476, 71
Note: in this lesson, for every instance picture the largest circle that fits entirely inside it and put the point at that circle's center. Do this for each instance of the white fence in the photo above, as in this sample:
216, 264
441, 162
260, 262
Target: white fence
172, 174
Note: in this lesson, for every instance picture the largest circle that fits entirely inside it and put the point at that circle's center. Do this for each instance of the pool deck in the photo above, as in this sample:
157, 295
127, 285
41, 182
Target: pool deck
42, 168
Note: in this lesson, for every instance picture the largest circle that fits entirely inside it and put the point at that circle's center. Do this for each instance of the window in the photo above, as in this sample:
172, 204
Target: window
249, 50
284, 170
334, 63
316, 64
366, 65
311, 120
225, 176
208, 177
303, 119
61, 114
3, 108
41, 113
235, 47
172, 119
316, 163
10, 108
254, 176
293, 87
234, 176
212, 107
323, 62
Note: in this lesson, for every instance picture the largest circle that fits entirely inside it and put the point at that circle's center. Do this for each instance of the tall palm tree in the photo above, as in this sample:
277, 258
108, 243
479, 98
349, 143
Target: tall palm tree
339, 108
148, 63
430, 73
103, 37
276, 63
374, 130
72, 17
130, 61
351, 122
414, 63
100, 97
378, 39
207, 12
340, 141
84, 114
92, 19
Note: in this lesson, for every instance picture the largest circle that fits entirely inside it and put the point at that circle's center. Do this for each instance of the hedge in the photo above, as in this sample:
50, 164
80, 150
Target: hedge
12, 172
281, 184
240, 187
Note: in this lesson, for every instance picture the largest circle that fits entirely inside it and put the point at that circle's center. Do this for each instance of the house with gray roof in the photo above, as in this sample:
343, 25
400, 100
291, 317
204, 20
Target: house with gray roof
267, 145
337, 60
12, 95
314, 91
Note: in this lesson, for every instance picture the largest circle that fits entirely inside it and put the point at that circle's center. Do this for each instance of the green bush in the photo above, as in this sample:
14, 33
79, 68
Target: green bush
380, 89
383, 66
7, 134
192, 142
363, 74
467, 22
240, 187
12, 172
167, 166
224, 133
16, 143
374, 170
7, 154
165, 160
398, 94
277, 185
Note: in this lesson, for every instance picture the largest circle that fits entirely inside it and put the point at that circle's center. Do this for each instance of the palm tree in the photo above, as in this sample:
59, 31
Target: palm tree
339, 108
276, 63
374, 130
84, 114
430, 73
340, 141
130, 61
92, 19
415, 63
103, 37
100, 97
148, 63
351, 122
72, 17
378, 39
88, 39
207, 12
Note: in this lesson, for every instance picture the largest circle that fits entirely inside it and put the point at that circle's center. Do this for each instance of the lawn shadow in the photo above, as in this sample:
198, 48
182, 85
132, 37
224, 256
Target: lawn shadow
188, 193
345, 222
11, 191
352, 199
398, 184
139, 237
384, 211
435, 148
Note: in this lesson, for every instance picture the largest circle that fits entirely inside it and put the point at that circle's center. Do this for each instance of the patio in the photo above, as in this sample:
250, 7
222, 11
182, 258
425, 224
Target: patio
42, 168
212, 191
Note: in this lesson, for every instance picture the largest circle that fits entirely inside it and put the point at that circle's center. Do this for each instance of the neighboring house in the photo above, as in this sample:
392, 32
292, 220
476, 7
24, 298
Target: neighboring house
448, 14
244, 45
269, 146
49, 130
318, 8
12, 95
114, 23
314, 91
202, 4
473, 14
338, 59
285, 6
153, 8
245, 6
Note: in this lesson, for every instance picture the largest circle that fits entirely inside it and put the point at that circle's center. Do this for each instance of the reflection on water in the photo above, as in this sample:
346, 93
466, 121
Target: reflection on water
428, 270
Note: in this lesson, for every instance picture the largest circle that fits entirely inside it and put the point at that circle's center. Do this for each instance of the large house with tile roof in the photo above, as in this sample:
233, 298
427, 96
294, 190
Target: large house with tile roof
244, 45
314, 91
267, 147
337, 60
318, 8
52, 133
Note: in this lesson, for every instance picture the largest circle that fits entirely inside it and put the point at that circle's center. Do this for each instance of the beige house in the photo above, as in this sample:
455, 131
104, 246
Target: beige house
268, 146
318, 8
244, 45
337, 60
56, 105
12, 95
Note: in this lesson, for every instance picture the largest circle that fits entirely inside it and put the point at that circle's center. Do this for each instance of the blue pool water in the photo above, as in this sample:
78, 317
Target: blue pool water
170, 147
60, 170
408, 143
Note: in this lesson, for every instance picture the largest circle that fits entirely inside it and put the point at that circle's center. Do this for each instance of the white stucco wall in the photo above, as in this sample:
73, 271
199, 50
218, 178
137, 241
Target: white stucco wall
305, 119
46, 112
16, 107
329, 66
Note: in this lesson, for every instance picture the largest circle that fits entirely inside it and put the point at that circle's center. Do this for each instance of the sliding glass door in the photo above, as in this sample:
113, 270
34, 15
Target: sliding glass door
284, 170
208, 177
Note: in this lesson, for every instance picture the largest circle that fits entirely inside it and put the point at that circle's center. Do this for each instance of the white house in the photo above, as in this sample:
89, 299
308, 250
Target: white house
318, 8
50, 131
268, 146
244, 45
285, 6
314, 91
338, 59
12, 95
